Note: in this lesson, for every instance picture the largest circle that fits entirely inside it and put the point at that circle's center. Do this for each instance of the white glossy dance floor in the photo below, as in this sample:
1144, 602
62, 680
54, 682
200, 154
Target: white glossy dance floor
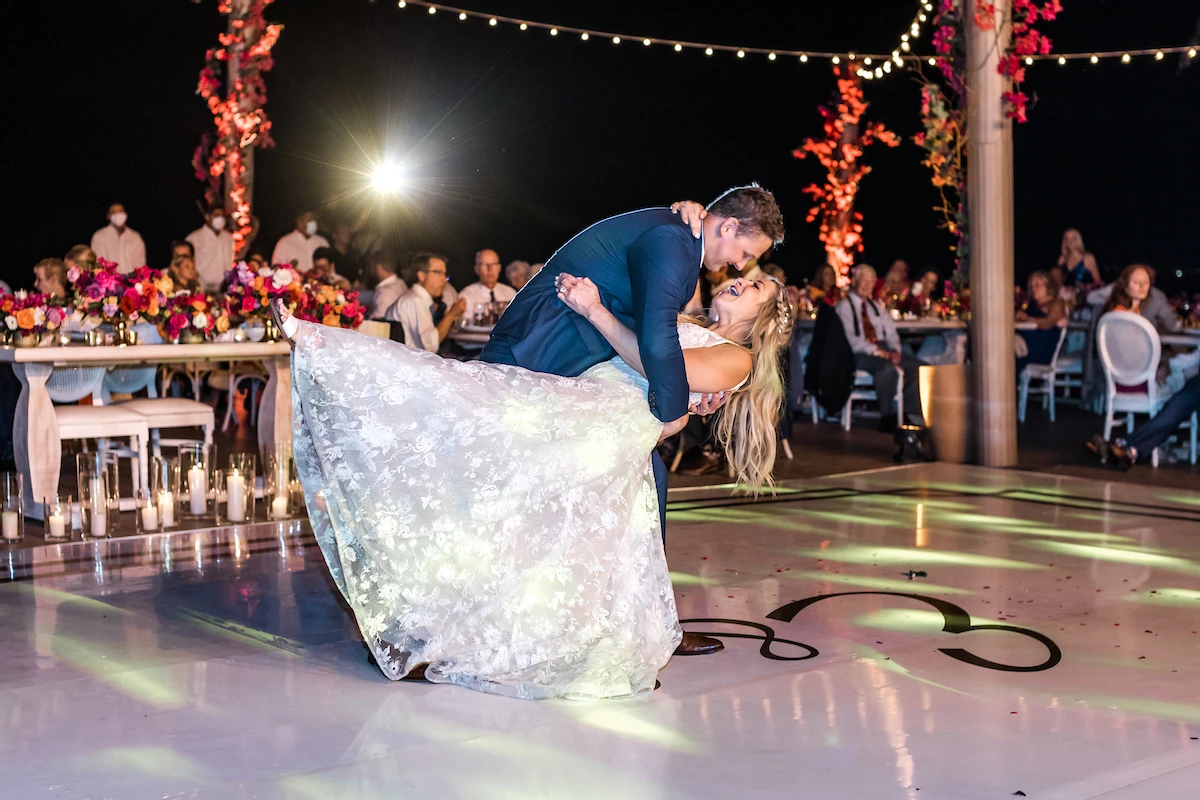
222, 665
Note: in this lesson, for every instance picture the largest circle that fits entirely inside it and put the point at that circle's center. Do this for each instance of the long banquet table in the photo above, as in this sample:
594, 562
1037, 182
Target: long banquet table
37, 448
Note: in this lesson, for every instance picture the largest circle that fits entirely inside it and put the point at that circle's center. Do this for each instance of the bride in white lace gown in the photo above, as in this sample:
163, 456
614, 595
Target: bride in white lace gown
499, 527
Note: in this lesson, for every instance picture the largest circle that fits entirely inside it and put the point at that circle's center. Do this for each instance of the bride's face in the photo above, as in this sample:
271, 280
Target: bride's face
742, 301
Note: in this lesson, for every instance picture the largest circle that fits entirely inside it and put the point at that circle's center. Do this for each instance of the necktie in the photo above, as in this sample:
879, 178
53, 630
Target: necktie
869, 332
493, 295
438, 309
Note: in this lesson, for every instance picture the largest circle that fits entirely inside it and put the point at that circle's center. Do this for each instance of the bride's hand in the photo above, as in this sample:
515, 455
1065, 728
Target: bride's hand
692, 213
579, 294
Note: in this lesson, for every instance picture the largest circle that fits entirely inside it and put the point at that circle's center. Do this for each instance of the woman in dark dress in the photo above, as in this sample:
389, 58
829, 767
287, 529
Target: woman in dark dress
1046, 310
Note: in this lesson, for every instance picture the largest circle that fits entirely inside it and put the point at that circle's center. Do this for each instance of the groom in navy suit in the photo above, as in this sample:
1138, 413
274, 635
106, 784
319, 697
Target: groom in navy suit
645, 264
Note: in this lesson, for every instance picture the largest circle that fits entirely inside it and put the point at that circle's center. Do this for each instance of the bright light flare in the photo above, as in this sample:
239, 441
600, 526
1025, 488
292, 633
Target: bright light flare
389, 177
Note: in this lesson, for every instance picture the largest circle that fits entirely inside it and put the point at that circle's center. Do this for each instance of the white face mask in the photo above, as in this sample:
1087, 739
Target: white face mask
118, 218
310, 228
218, 223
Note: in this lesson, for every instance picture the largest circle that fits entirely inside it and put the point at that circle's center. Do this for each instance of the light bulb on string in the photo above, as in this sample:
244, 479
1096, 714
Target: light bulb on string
678, 48
867, 61
1028, 61
904, 46
922, 17
804, 58
741, 53
836, 60
1158, 56
433, 9
646, 42
461, 17
554, 31
403, 4
1095, 59
708, 51
850, 56
1192, 53
770, 56
878, 72
585, 37
933, 62
887, 66
616, 40
492, 22
1125, 59
1061, 61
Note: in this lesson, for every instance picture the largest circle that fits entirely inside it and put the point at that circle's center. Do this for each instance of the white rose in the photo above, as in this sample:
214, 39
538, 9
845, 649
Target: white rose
282, 278
341, 298
39, 316
264, 272
200, 320
11, 322
21, 294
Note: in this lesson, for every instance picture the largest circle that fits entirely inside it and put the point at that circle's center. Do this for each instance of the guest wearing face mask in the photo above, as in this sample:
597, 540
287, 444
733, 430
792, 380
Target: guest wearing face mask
119, 244
214, 249
298, 246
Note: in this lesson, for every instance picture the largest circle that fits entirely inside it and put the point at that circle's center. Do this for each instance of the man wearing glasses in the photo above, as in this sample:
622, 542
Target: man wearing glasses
422, 311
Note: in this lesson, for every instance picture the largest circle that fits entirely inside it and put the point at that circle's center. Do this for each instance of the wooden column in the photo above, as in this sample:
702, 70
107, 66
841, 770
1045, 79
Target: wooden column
990, 210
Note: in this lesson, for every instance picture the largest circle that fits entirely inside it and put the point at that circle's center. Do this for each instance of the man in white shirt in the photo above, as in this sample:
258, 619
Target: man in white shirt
297, 247
422, 310
876, 345
214, 249
488, 288
116, 243
389, 287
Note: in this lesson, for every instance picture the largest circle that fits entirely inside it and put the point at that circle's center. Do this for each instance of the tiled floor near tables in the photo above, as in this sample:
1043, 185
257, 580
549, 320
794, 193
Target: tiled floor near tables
930, 631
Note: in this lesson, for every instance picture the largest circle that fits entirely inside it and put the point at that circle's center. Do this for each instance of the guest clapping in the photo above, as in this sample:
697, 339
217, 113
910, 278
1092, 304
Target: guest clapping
117, 243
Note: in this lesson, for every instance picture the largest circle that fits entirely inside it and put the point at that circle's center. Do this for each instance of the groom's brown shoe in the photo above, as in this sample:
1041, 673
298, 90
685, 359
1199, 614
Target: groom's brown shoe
695, 644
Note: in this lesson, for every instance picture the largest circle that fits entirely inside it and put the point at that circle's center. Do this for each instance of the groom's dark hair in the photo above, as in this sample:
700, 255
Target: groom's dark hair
755, 210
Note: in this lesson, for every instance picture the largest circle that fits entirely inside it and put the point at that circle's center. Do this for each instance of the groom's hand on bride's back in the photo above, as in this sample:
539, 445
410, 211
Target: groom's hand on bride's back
692, 214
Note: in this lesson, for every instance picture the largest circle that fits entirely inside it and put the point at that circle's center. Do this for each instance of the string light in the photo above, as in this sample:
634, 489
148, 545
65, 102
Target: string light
899, 55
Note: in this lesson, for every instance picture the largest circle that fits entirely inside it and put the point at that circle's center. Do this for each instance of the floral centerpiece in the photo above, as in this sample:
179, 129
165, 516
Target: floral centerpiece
98, 292
27, 316
330, 306
192, 315
248, 292
145, 295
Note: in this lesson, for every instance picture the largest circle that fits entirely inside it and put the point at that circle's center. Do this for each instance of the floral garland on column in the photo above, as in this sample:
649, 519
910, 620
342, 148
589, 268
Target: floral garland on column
840, 153
943, 108
239, 116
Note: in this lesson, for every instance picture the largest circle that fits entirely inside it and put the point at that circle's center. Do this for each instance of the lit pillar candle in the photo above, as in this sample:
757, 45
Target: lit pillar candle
198, 489
236, 503
11, 524
166, 509
99, 522
150, 517
279, 507
57, 525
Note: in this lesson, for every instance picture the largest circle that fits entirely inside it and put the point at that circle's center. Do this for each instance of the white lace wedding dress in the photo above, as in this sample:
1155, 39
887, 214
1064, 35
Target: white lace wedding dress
498, 524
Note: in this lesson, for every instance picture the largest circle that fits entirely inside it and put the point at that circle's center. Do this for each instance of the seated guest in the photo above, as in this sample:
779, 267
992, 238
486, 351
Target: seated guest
931, 285
50, 277
1046, 310
876, 346
824, 284
298, 246
518, 274
422, 310
1124, 451
183, 268
256, 260
896, 284
1135, 291
81, 256
488, 288
324, 267
351, 263
1080, 265
388, 286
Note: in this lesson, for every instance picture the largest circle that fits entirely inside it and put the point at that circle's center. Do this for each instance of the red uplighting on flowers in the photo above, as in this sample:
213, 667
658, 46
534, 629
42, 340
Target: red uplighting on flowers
839, 152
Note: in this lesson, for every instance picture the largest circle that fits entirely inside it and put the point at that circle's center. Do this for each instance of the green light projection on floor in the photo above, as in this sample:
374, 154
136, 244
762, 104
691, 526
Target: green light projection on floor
882, 584
1122, 556
161, 762
1183, 598
912, 557
1138, 705
1021, 527
626, 723
77, 602
241, 633
685, 579
136, 680
909, 620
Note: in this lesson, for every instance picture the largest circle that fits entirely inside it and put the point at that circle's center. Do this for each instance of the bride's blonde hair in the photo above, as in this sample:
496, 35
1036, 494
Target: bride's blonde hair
746, 426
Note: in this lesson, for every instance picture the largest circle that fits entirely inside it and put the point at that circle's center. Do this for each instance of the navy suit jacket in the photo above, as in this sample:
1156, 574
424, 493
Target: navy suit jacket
645, 264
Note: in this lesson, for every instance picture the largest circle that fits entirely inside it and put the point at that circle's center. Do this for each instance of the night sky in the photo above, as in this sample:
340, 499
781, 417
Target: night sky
520, 139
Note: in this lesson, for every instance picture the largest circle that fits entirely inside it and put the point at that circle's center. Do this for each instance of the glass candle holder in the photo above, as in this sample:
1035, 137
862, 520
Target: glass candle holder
96, 520
56, 516
197, 477
235, 496
146, 511
277, 482
12, 512
96, 463
164, 490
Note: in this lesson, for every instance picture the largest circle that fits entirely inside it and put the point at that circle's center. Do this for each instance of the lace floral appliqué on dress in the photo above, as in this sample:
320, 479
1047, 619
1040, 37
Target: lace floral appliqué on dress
497, 524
